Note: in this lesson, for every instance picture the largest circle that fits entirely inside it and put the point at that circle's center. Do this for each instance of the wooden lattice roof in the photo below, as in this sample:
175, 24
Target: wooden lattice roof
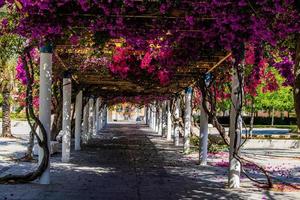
98, 81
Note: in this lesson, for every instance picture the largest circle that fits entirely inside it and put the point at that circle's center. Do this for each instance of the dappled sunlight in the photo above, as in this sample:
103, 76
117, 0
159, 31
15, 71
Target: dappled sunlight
84, 169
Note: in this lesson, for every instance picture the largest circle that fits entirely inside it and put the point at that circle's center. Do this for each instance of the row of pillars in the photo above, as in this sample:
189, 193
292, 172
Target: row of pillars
89, 119
159, 116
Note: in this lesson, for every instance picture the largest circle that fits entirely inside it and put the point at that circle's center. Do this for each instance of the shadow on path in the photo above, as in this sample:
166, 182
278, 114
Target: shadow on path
126, 162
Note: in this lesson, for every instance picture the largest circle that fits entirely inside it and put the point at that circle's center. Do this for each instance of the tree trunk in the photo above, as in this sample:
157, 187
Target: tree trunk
31, 141
273, 113
57, 111
57, 122
6, 121
252, 116
297, 82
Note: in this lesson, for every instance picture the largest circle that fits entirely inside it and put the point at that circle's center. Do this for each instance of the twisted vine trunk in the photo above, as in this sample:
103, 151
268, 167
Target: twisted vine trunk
57, 122
252, 116
31, 142
206, 94
42, 141
57, 111
297, 82
6, 121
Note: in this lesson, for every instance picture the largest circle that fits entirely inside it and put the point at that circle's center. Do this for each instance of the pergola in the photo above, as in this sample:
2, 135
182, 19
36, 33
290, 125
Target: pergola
97, 86
98, 81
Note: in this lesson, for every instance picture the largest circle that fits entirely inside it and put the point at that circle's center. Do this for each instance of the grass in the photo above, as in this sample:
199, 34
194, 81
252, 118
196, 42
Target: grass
21, 116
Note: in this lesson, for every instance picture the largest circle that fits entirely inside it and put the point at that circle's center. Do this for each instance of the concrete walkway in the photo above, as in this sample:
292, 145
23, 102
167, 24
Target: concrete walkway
131, 162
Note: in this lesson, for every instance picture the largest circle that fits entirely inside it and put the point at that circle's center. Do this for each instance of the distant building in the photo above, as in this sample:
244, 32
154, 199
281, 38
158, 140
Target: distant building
126, 112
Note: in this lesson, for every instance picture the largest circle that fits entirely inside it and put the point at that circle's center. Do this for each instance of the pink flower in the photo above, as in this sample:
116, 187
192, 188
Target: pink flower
151, 69
2, 3
84, 5
164, 77
146, 60
74, 39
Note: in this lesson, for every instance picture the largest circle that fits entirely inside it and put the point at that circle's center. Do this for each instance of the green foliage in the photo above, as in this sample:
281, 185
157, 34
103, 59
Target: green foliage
223, 105
194, 140
280, 99
215, 148
10, 46
16, 116
297, 137
215, 144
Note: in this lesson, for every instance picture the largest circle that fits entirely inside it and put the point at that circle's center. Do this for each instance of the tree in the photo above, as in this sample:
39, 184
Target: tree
6, 80
297, 81
9, 45
279, 100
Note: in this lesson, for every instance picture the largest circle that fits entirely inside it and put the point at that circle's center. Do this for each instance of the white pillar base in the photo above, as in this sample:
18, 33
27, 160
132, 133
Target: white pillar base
85, 124
203, 136
45, 104
91, 119
235, 133
78, 119
169, 122
187, 120
66, 124
176, 126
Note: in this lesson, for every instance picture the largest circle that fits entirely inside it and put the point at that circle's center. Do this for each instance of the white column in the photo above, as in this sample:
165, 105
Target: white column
104, 116
176, 125
45, 104
203, 136
187, 119
101, 119
146, 115
152, 117
157, 119
85, 126
149, 116
97, 115
66, 123
235, 133
78, 119
91, 119
160, 121
169, 122
164, 117
94, 119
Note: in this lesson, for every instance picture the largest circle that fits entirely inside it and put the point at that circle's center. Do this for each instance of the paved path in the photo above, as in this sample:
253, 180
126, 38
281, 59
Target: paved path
131, 162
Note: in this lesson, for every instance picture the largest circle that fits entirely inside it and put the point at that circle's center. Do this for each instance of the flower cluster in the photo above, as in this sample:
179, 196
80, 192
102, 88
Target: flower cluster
137, 100
21, 76
155, 64
120, 60
285, 68
163, 35
21, 73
